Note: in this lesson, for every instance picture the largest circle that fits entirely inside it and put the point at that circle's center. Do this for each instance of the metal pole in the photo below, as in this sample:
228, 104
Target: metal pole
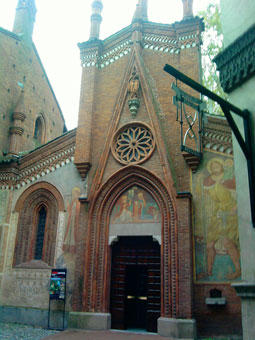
199, 88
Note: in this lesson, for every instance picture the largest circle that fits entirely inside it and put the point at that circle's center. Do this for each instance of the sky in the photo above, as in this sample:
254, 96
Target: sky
61, 24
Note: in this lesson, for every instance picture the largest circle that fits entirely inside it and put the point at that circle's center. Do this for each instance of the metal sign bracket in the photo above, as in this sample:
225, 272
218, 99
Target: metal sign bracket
246, 143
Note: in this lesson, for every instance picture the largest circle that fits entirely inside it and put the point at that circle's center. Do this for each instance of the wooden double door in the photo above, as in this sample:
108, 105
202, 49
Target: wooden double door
135, 284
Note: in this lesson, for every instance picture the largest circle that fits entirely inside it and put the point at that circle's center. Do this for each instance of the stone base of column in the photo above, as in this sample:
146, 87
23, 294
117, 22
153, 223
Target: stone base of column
246, 290
177, 328
91, 321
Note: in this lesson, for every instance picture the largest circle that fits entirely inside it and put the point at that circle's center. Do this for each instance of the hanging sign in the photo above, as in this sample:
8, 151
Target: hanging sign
58, 284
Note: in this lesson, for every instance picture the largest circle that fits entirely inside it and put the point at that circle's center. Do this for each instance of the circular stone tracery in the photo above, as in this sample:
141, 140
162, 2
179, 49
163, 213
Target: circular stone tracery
133, 144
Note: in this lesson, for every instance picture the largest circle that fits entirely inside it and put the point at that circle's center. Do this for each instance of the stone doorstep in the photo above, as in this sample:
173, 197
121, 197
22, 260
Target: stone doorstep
177, 328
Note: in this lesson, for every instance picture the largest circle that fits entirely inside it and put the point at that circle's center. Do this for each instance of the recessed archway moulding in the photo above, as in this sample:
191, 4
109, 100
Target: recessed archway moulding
96, 288
41, 185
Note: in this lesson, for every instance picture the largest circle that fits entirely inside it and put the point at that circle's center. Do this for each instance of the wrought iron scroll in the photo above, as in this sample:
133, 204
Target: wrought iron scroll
180, 100
246, 143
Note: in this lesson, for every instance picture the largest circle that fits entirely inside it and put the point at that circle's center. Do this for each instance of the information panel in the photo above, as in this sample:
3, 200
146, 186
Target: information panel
58, 284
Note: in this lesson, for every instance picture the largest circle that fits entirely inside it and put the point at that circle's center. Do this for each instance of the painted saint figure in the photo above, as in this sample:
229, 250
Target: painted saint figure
73, 209
133, 85
135, 206
222, 228
123, 211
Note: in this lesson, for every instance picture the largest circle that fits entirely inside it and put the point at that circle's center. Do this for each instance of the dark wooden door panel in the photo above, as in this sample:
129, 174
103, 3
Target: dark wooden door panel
135, 284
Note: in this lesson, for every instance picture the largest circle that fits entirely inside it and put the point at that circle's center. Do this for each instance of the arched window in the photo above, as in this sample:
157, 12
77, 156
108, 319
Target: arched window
37, 228
41, 218
39, 129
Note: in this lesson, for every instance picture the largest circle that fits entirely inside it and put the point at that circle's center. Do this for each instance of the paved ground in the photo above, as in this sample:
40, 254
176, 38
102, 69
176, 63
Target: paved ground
103, 335
115, 335
26, 332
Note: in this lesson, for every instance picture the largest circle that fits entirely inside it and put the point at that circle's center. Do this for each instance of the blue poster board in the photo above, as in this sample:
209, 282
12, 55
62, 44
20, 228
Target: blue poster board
57, 290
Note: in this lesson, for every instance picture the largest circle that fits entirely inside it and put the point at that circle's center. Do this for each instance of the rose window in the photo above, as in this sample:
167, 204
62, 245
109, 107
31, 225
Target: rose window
133, 144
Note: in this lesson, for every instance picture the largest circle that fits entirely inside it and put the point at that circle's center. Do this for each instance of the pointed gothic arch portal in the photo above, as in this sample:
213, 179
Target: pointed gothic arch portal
106, 217
135, 231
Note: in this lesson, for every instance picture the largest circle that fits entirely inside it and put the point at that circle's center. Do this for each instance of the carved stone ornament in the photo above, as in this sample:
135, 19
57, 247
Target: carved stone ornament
133, 85
133, 144
236, 63
133, 105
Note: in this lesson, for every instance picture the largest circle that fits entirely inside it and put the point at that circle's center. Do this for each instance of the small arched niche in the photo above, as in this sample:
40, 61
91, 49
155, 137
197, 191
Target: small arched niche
39, 130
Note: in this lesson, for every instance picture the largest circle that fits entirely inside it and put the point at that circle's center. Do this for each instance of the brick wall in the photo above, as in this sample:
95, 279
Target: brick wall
217, 320
19, 62
28, 224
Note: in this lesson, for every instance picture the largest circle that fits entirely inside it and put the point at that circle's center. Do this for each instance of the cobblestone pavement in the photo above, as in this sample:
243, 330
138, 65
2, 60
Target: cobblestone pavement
24, 332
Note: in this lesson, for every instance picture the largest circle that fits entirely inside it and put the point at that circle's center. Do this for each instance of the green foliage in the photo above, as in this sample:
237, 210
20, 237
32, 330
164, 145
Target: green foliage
212, 45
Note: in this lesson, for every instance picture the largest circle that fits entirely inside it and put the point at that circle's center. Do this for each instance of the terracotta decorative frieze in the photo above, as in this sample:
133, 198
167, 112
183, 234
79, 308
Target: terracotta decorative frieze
217, 141
161, 43
23, 172
100, 55
236, 63
217, 135
168, 44
89, 58
109, 56
188, 41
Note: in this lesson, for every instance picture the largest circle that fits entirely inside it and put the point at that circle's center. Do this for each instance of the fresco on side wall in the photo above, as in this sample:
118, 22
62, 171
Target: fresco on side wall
217, 253
73, 211
67, 259
135, 206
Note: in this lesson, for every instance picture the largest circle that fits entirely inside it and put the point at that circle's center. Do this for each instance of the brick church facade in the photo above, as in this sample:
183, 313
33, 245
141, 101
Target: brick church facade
149, 236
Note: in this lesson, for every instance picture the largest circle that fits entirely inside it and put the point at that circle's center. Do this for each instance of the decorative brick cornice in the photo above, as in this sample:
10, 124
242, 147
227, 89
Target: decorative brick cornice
168, 44
244, 289
94, 56
236, 63
192, 161
38, 163
83, 169
217, 135
168, 39
157, 42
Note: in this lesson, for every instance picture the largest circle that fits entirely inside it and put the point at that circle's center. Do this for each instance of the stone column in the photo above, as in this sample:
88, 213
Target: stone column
187, 9
16, 132
96, 19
